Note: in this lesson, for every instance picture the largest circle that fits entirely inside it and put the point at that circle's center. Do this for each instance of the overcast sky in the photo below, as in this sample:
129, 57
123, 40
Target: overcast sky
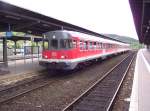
102, 16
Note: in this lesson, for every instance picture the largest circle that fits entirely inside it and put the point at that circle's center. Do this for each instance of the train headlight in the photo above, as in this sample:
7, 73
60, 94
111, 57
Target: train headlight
46, 56
62, 57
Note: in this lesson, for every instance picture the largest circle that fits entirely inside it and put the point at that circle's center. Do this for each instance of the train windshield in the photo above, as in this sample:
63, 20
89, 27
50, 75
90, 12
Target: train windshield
60, 44
54, 44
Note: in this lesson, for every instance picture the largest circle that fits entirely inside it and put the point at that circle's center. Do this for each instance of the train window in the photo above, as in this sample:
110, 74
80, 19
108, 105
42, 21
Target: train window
90, 45
74, 44
81, 45
54, 44
85, 45
70, 44
66, 43
98, 45
94, 45
105, 46
101, 45
63, 43
109, 45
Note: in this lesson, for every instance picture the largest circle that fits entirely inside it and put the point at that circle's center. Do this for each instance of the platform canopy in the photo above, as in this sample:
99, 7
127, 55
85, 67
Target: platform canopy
22, 20
141, 15
15, 36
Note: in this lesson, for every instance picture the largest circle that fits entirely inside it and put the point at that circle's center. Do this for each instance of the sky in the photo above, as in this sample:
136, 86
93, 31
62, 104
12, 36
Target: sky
102, 16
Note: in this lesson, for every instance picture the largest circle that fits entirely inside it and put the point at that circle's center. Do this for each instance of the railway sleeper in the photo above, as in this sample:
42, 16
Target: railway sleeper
81, 107
98, 98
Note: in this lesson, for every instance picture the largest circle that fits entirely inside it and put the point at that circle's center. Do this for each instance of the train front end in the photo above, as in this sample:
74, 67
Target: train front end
58, 51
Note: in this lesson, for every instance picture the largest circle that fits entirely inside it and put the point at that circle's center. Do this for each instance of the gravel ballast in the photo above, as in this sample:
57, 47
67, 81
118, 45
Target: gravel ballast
63, 91
122, 102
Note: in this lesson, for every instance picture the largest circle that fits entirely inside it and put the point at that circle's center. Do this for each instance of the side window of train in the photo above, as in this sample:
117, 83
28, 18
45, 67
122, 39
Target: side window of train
66, 43
90, 45
74, 44
109, 46
81, 45
98, 45
94, 45
70, 43
86, 45
103, 45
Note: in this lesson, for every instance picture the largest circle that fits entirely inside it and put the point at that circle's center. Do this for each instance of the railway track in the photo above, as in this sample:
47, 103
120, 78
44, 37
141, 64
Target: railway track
14, 91
101, 95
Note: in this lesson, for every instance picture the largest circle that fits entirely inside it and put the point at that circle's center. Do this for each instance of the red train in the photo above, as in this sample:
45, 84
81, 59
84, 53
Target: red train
67, 49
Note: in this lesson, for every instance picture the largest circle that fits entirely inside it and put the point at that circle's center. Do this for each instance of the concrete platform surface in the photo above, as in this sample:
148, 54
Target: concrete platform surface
21, 56
17, 67
140, 96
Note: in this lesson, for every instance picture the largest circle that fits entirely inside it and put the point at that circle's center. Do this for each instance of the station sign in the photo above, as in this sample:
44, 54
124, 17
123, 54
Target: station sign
9, 34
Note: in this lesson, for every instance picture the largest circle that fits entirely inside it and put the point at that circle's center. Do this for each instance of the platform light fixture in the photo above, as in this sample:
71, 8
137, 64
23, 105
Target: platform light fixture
54, 37
45, 25
13, 17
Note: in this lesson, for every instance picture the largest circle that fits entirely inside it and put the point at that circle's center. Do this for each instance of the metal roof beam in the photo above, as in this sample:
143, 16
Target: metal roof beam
24, 26
28, 17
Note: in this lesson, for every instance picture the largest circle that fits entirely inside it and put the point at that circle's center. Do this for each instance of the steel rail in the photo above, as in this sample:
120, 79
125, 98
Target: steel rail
112, 101
23, 83
24, 92
68, 107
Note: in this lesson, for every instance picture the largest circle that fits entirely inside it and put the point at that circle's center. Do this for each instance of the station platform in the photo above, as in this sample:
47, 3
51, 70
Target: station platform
21, 56
20, 66
140, 95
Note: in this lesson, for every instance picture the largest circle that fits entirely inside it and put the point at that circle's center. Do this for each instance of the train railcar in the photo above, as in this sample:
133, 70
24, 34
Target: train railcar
67, 49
